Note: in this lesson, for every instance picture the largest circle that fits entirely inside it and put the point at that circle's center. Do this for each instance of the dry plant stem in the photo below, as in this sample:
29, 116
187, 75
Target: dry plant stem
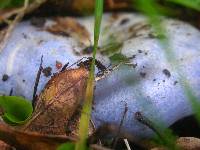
127, 144
9, 14
142, 119
12, 25
120, 126
20, 14
30, 8
37, 80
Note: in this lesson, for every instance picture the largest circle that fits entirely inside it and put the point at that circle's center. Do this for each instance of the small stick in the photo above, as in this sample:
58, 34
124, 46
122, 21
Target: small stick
12, 25
37, 80
77, 62
120, 126
142, 119
64, 67
157, 130
127, 144
11, 92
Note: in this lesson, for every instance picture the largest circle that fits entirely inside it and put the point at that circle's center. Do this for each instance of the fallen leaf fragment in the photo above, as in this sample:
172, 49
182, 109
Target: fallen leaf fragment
30, 140
70, 27
4, 146
185, 143
189, 143
58, 102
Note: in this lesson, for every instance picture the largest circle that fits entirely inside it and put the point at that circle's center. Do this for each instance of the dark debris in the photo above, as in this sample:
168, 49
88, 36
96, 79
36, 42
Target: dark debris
47, 71
5, 77
167, 72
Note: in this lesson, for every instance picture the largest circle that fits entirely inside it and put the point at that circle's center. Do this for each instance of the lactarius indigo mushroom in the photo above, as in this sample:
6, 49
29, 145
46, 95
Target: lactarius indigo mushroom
147, 82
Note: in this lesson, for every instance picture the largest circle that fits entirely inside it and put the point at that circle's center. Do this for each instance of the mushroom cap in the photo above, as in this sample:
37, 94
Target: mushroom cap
150, 85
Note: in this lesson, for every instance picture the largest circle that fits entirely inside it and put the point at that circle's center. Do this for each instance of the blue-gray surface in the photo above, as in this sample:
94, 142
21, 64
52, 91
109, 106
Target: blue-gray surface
146, 87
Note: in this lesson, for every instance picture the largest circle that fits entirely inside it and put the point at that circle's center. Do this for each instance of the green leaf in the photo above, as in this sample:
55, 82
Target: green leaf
66, 146
118, 58
111, 48
16, 110
194, 4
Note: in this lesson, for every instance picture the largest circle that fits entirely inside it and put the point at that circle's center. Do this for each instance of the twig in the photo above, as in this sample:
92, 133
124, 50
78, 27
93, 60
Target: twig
142, 119
120, 126
12, 25
37, 80
11, 92
20, 14
64, 67
127, 144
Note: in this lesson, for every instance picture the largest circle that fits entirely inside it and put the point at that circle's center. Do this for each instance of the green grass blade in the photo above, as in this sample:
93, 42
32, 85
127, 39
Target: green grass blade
150, 9
11, 3
87, 107
194, 4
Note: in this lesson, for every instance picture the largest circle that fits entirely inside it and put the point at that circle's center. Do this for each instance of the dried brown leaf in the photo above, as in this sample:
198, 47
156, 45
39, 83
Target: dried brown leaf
70, 27
30, 140
58, 102
4, 146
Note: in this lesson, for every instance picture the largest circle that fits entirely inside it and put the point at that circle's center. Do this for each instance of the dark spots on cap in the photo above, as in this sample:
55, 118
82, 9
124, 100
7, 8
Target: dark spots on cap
38, 22
5, 77
132, 57
151, 35
47, 71
40, 42
23, 80
166, 72
146, 53
88, 50
124, 21
175, 82
154, 80
139, 51
76, 53
188, 34
135, 65
143, 74
163, 80
24, 35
